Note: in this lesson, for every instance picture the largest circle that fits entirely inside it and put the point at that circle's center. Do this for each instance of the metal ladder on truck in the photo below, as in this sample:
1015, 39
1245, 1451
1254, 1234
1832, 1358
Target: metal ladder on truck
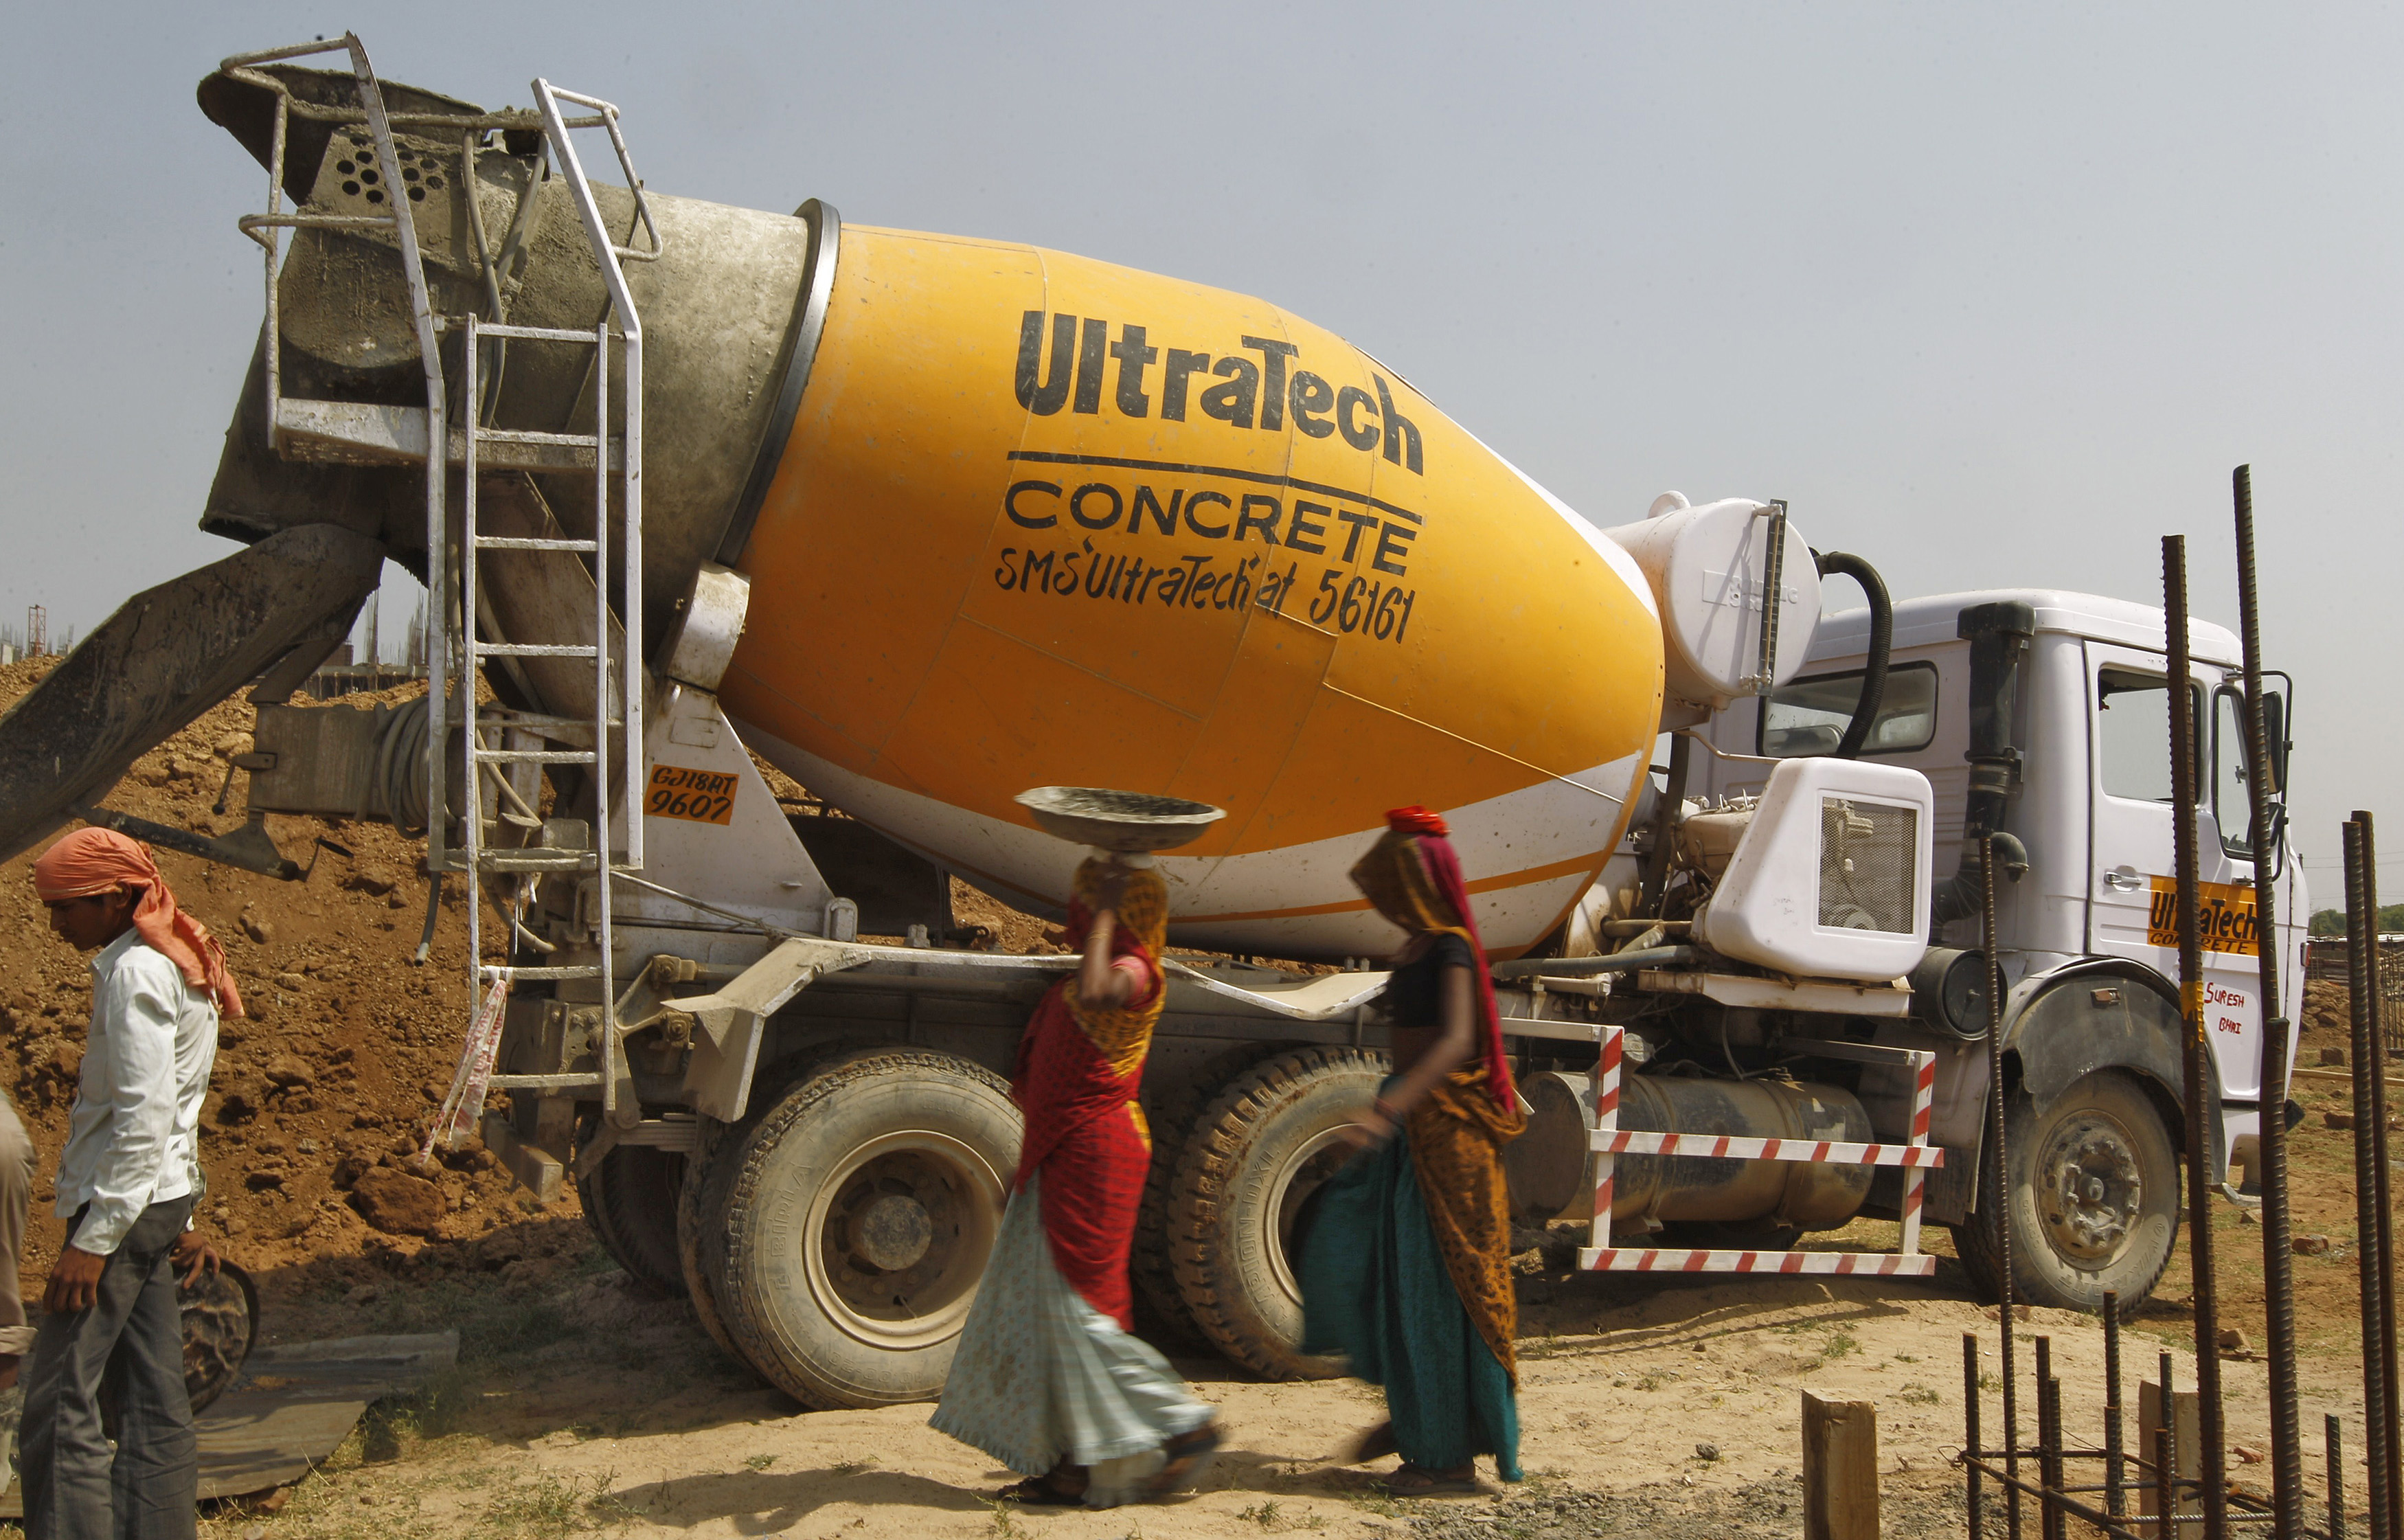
455, 652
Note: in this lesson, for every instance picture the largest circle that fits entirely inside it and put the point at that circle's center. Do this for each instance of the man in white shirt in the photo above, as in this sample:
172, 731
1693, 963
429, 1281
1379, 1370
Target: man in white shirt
128, 1180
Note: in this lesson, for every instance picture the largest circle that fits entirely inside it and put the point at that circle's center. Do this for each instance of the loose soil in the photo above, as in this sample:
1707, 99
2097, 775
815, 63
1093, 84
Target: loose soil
1666, 1407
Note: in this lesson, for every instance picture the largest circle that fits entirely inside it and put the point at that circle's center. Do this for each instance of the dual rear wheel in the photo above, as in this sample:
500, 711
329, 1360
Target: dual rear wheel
832, 1239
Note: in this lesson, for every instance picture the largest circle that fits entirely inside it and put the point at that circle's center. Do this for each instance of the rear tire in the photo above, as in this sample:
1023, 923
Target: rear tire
852, 1220
1263, 1145
631, 1201
1173, 1104
2094, 1199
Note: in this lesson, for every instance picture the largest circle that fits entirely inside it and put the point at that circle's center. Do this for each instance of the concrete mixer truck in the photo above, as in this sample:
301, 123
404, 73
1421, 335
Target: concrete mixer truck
926, 521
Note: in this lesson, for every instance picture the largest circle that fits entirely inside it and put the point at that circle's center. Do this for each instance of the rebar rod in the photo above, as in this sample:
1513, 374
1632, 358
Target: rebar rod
2278, 1261
2053, 1519
2113, 1501
2195, 1051
2165, 1479
2332, 1433
1971, 1495
2362, 943
1998, 1172
2391, 1430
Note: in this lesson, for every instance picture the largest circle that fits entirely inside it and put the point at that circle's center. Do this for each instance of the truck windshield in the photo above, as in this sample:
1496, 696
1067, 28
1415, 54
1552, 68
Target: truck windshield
2133, 735
1807, 718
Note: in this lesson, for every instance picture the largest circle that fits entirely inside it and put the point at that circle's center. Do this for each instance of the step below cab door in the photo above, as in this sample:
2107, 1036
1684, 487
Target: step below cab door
2131, 869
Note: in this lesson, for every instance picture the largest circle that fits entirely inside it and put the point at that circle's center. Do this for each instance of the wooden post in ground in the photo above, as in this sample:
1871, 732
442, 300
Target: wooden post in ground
2186, 1423
1840, 1498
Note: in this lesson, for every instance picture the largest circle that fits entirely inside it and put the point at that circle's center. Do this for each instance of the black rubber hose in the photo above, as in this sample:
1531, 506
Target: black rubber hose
1857, 731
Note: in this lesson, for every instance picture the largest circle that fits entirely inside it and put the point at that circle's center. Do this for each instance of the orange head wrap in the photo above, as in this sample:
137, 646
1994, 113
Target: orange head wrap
102, 861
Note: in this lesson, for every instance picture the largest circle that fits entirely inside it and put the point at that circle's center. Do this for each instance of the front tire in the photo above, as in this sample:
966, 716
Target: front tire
1263, 1145
2093, 1199
853, 1220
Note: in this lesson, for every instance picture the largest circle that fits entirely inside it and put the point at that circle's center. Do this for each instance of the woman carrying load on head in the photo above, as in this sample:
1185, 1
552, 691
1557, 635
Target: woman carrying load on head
1048, 1378
1404, 1268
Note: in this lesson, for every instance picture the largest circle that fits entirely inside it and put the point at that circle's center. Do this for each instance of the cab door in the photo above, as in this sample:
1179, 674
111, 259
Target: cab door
2132, 866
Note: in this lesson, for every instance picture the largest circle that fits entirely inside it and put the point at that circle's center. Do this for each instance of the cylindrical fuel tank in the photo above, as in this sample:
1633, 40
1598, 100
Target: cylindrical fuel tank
1040, 520
1805, 1196
1550, 1167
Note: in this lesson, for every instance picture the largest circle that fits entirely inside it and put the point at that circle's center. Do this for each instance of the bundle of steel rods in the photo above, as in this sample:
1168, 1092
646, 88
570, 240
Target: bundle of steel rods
2375, 1240
2136, 1490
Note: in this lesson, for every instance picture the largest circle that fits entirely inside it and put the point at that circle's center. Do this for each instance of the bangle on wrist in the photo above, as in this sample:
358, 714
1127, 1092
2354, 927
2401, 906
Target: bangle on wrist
1386, 1109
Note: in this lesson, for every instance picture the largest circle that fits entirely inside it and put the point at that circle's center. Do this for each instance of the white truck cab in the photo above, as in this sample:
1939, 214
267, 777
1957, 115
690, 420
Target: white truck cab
2087, 936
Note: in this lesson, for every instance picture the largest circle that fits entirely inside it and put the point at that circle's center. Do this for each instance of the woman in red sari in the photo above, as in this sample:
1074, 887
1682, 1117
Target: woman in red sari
1048, 1378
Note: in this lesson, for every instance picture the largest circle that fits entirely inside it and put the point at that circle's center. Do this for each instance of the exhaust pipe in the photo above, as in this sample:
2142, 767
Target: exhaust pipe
1999, 635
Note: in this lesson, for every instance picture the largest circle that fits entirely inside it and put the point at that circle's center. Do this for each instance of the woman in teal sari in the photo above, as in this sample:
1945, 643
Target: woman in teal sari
1405, 1269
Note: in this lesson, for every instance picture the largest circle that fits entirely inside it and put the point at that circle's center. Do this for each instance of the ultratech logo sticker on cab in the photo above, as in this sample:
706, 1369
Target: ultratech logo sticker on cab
2224, 912
1369, 537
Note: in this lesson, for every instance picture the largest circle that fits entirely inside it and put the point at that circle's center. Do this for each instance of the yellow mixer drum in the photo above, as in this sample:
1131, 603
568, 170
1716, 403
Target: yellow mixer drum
1044, 521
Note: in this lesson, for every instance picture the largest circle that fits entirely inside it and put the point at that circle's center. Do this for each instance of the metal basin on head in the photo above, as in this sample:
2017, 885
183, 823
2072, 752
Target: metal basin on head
1127, 822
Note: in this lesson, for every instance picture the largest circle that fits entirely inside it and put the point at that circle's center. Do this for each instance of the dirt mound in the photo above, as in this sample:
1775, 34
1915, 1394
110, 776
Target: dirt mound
346, 1049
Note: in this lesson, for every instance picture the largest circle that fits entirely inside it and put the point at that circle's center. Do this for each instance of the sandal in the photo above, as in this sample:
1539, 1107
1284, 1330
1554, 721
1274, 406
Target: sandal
1046, 1491
1410, 1481
1189, 1456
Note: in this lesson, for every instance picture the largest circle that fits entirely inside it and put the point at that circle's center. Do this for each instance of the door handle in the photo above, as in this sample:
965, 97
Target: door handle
2123, 882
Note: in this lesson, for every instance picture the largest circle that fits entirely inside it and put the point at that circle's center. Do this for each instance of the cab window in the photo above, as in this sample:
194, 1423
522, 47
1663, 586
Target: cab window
2132, 734
1807, 718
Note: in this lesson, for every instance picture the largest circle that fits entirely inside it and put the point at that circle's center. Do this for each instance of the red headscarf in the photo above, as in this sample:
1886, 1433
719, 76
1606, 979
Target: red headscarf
102, 861
1414, 878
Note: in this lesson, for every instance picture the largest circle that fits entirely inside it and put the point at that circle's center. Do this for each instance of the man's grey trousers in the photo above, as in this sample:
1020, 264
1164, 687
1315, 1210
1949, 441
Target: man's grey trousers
75, 1487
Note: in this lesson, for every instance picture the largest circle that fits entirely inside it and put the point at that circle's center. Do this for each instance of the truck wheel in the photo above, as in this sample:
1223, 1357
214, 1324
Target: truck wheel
2094, 1199
1263, 1146
851, 1221
1173, 1103
630, 1200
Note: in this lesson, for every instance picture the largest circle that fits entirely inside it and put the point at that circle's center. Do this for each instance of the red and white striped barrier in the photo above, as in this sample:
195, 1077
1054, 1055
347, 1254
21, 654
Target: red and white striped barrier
1726, 1147
1917, 1158
1845, 1263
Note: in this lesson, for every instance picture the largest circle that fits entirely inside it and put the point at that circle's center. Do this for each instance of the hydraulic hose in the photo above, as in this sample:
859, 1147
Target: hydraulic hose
1857, 731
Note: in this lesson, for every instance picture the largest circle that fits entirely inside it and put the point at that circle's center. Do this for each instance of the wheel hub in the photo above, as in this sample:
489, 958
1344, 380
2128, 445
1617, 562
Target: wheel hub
891, 1232
901, 1239
2091, 1188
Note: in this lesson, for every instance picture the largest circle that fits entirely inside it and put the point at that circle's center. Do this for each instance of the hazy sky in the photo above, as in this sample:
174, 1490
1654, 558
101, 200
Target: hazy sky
1993, 296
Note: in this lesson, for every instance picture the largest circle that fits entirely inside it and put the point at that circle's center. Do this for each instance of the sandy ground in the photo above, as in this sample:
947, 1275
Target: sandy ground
630, 1423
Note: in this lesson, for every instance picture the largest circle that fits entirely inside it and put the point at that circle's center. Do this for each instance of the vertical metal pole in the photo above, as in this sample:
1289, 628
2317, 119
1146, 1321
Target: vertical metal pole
631, 675
2113, 1458
609, 1044
2195, 1051
471, 827
2332, 1433
2050, 1516
2165, 1477
2278, 1260
1997, 1172
2392, 1433
2370, 1068
1970, 1443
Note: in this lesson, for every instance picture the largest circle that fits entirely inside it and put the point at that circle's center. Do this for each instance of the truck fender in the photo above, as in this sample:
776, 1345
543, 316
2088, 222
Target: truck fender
2062, 1026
